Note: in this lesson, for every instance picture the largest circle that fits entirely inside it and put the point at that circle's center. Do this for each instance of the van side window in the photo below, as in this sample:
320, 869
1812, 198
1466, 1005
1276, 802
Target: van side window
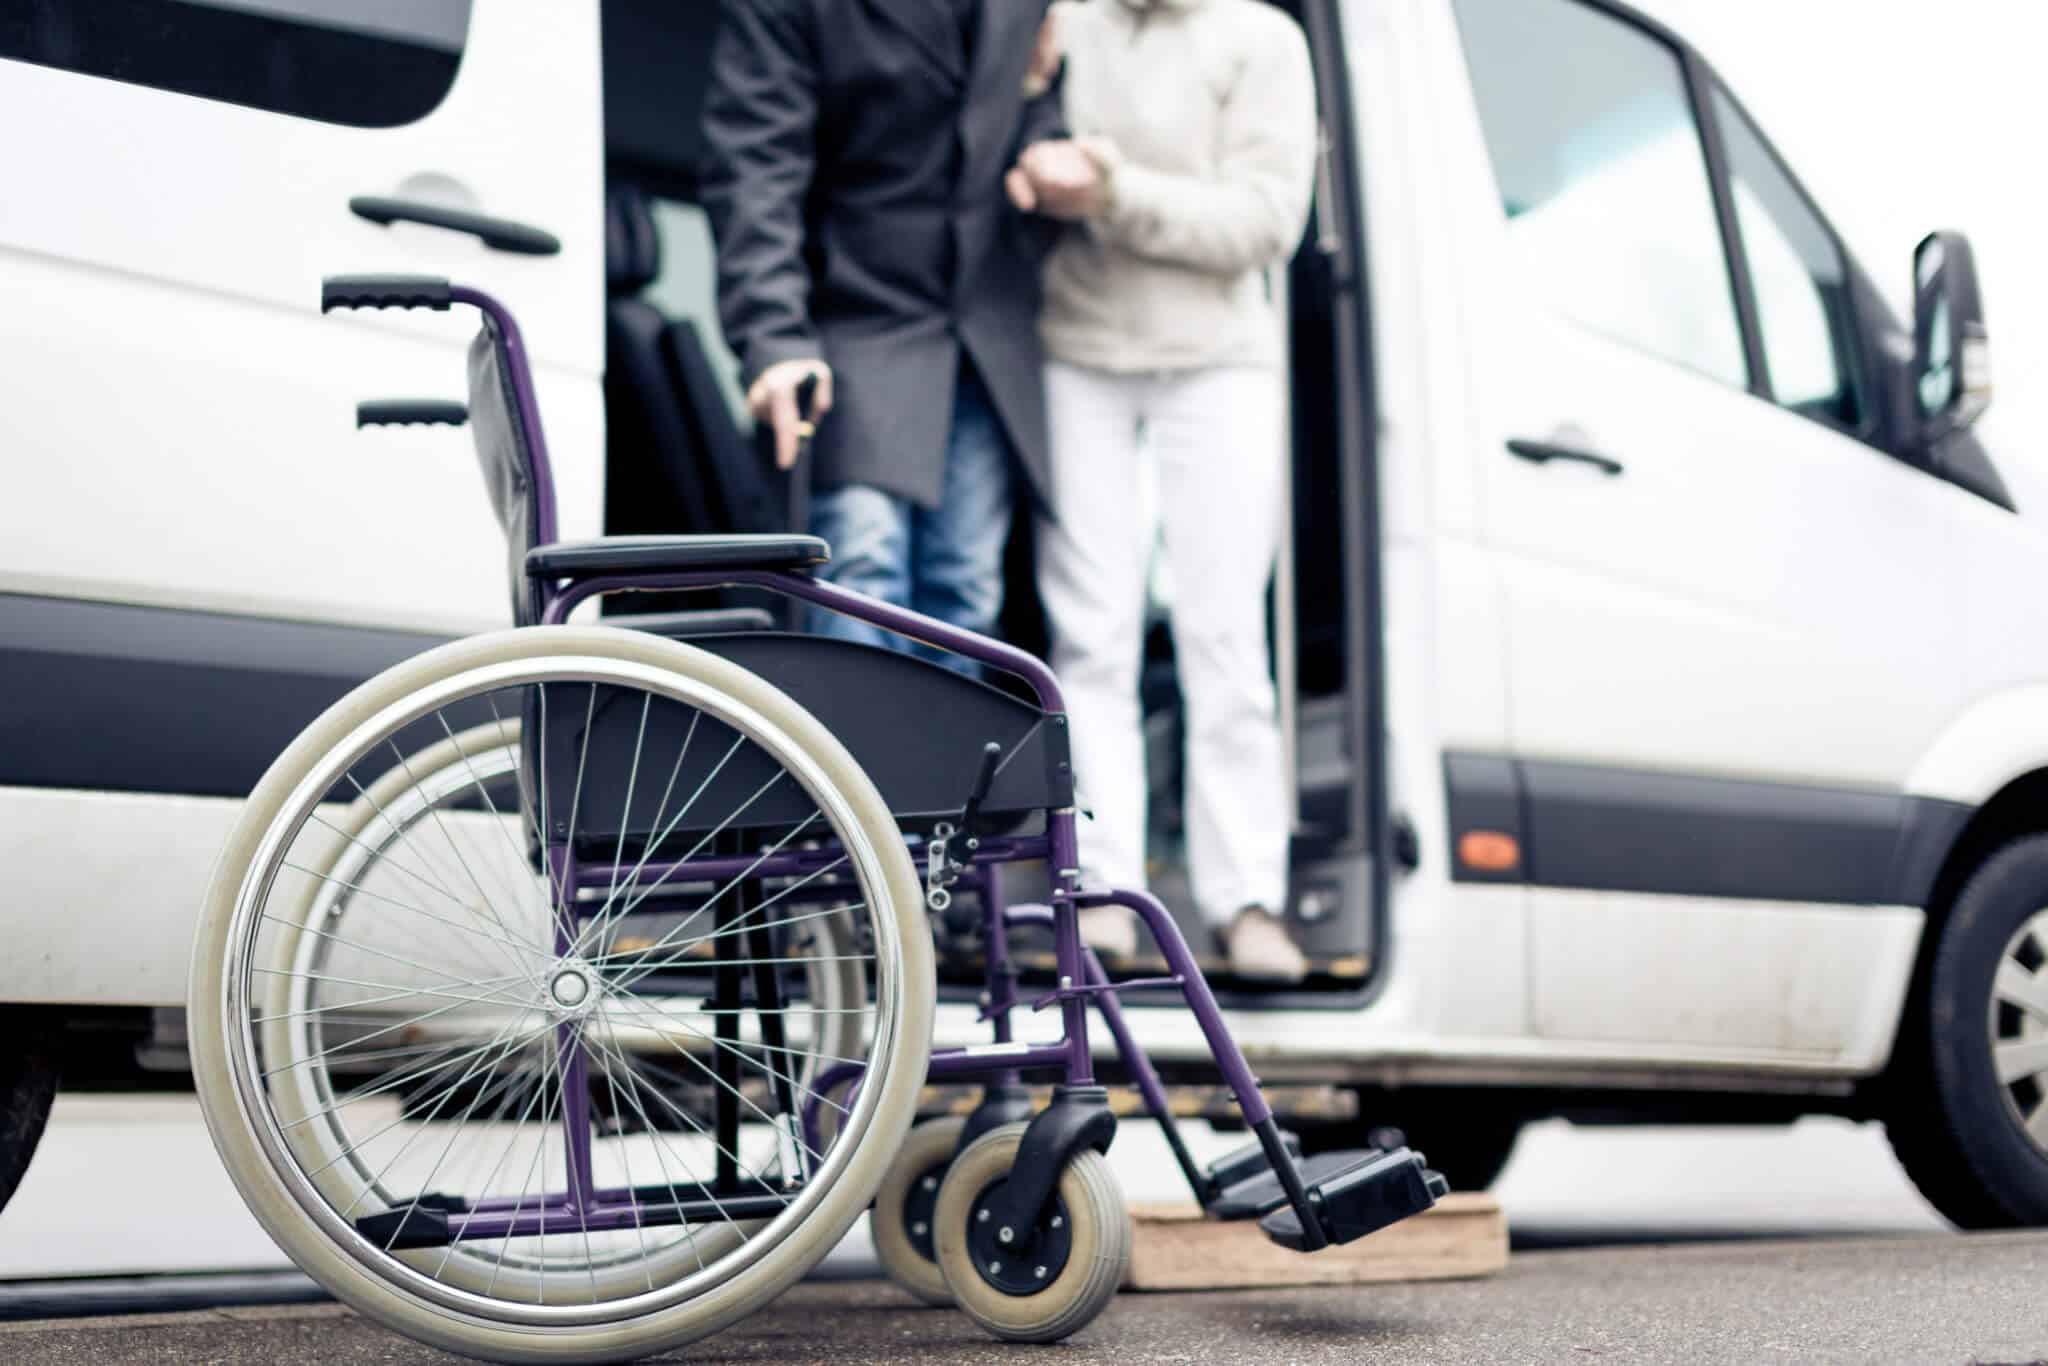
364, 63
1603, 177
1797, 274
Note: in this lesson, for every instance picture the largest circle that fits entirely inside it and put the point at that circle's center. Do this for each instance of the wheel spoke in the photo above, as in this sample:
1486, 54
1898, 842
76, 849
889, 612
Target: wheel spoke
2021, 1059
2027, 990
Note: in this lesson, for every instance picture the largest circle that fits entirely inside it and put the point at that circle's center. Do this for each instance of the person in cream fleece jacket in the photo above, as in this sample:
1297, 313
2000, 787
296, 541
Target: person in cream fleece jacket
1162, 344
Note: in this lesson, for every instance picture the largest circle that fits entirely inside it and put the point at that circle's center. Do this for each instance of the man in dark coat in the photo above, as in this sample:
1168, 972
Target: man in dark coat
857, 152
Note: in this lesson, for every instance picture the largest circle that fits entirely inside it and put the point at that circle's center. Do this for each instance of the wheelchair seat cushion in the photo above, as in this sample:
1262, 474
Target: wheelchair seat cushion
672, 554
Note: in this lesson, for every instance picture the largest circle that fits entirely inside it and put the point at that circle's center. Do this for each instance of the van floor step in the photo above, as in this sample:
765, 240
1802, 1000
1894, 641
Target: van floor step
1383, 1189
1262, 1194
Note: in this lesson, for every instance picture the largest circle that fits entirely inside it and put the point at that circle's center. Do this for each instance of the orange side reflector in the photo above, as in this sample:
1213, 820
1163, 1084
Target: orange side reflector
1489, 851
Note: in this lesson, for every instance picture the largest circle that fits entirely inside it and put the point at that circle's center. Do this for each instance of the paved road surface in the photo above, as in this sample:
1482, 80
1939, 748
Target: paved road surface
1907, 1299
130, 1185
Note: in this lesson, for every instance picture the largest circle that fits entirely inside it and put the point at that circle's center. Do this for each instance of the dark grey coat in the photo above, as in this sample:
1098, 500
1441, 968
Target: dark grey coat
854, 181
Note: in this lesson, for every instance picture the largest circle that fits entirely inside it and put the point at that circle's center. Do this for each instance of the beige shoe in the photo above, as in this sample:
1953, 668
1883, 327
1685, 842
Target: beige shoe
1260, 949
1112, 932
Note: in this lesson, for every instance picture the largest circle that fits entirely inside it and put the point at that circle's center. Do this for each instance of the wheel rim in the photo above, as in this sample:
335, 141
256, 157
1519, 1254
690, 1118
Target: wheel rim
2018, 1022
590, 995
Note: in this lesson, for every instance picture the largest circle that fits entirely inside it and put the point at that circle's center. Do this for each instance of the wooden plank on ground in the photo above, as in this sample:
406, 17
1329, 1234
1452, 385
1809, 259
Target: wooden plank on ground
1176, 1247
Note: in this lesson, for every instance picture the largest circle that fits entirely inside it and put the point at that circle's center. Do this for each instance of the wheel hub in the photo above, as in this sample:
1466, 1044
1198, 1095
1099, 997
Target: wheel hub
919, 1203
1028, 1259
571, 989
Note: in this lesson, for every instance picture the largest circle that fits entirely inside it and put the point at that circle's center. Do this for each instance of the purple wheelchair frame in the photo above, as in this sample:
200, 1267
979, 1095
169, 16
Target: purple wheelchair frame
1082, 982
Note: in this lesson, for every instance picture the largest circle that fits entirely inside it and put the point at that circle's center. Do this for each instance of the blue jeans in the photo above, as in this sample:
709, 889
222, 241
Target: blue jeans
946, 562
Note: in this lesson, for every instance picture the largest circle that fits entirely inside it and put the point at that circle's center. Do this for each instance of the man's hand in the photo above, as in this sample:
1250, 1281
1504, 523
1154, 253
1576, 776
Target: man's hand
1061, 179
773, 399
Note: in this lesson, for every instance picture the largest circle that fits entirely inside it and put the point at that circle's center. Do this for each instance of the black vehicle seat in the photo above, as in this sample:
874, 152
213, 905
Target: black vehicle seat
742, 493
655, 470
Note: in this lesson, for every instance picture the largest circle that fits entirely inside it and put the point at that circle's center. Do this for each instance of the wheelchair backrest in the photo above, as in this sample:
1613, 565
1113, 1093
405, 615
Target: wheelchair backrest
505, 422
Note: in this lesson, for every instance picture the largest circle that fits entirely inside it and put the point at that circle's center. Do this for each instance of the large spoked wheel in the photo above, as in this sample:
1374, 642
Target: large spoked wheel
1041, 1284
521, 975
905, 1205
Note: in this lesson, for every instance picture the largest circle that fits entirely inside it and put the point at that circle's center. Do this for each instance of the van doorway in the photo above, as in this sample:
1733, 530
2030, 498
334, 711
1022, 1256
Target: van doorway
681, 457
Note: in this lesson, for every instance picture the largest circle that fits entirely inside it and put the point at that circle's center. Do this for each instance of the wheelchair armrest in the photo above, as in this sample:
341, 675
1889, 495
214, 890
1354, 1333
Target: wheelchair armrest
653, 555
719, 621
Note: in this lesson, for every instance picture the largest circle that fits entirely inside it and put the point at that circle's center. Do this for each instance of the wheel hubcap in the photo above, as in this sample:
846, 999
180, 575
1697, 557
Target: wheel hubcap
919, 1203
2019, 1027
1029, 1259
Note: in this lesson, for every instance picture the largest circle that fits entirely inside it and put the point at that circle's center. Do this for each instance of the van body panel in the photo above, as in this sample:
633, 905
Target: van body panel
181, 417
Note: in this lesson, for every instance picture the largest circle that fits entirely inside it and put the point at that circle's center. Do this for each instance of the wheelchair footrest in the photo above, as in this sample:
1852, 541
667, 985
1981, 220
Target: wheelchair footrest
1247, 1163
1374, 1190
1262, 1194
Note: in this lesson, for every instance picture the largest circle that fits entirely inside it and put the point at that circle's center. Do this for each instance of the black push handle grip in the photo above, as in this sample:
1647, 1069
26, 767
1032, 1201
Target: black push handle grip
500, 233
383, 291
1543, 452
404, 412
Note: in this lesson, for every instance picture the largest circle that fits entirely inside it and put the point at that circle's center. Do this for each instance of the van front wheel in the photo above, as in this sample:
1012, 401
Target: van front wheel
1968, 1111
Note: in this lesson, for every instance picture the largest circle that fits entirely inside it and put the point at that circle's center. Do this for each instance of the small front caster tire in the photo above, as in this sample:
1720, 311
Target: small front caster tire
1044, 1283
904, 1208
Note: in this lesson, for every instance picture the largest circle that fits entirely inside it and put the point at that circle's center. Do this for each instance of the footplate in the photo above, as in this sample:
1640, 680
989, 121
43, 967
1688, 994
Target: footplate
1240, 1165
1375, 1190
1262, 1193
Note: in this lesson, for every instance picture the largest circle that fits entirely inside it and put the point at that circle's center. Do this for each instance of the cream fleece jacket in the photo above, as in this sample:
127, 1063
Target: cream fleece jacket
1205, 114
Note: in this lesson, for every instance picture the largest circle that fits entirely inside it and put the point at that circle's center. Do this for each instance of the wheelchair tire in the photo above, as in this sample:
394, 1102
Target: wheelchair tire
1023, 1299
904, 1208
405, 792
232, 1015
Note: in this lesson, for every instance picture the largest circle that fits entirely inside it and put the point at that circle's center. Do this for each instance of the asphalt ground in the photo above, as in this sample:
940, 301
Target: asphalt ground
1907, 1299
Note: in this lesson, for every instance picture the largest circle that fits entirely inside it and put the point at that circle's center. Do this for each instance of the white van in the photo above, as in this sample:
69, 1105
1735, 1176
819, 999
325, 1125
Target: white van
1668, 716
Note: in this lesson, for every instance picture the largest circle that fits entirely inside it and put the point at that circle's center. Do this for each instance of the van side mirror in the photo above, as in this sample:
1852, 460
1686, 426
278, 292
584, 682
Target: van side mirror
1951, 349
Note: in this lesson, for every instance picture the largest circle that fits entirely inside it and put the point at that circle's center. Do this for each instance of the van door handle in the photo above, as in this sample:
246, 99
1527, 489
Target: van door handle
501, 233
1543, 452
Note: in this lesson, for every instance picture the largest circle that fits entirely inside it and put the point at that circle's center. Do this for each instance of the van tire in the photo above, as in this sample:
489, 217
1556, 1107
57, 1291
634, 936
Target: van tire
28, 1084
1947, 1116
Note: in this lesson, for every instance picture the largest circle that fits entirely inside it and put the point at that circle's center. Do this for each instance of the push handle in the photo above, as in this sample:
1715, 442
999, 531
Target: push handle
383, 291
1543, 452
499, 233
404, 412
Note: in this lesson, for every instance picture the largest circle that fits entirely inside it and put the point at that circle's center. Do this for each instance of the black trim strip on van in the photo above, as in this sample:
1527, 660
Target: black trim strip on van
114, 697
1624, 830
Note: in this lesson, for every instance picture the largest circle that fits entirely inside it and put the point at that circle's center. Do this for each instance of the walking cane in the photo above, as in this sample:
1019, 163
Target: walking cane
800, 473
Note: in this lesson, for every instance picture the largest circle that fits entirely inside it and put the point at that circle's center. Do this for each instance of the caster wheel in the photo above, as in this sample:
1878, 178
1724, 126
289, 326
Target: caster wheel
1044, 1283
904, 1207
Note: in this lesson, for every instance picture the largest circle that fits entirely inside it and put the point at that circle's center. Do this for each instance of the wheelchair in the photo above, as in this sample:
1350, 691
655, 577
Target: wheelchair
566, 993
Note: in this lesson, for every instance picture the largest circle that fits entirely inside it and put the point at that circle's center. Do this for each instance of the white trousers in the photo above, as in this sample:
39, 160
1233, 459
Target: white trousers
1214, 437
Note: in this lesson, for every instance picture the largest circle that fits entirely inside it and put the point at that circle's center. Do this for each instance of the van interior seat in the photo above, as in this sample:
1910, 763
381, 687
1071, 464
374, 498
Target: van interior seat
678, 463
